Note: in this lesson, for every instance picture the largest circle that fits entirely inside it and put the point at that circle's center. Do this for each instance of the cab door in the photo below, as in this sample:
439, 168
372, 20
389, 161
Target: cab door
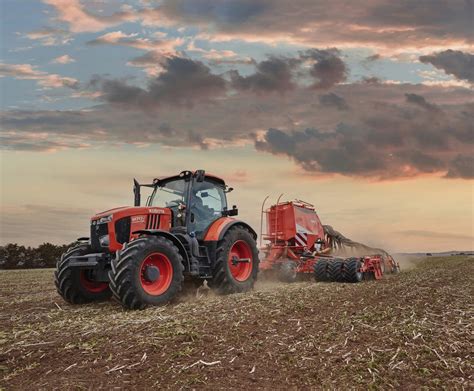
208, 200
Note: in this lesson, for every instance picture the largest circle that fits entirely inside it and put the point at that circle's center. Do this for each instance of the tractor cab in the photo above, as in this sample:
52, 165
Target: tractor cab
195, 200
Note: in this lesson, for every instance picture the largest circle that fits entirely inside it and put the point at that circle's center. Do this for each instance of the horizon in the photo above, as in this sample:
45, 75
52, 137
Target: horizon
364, 111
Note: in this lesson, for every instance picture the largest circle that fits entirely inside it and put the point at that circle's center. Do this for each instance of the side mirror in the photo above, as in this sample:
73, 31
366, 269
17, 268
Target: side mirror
232, 212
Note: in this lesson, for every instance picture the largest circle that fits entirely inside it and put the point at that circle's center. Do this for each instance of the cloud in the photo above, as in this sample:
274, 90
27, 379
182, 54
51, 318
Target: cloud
391, 26
324, 69
48, 36
274, 74
183, 82
328, 68
383, 141
462, 167
148, 59
81, 19
121, 39
373, 58
38, 143
221, 13
386, 137
211, 54
421, 102
151, 62
380, 23
65, 59
333, 100
453, 62
28, 72
351, 151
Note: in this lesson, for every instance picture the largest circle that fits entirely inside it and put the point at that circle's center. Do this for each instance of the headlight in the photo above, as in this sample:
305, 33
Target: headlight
104, 241
105, 219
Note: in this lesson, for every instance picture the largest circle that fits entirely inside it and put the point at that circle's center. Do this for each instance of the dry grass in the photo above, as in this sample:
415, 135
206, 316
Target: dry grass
413, 330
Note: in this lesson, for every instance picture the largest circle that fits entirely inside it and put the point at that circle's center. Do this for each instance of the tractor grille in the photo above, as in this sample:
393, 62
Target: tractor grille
122, 230
153, 221
98, 230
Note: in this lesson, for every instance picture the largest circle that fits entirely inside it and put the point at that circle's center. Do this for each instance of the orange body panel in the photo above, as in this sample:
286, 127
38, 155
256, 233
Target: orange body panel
142, 217
217, 227
286, 220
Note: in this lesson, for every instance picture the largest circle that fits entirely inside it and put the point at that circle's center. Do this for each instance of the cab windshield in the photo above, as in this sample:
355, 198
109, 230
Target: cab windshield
169, 194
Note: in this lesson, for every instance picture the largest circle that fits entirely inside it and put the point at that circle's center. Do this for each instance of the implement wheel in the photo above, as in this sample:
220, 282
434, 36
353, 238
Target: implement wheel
352, 271
147, 271
236, 265
335, 270
321, 270
77, 286
287, 272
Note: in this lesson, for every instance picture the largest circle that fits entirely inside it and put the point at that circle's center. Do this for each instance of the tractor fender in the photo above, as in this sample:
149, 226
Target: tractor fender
169, 236
219, 227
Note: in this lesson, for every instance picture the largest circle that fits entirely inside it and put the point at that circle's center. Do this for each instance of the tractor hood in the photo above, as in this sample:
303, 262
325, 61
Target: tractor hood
124, 211
113, 227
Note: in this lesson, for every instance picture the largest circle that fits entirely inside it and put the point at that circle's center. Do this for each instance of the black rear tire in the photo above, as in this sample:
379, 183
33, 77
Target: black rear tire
335, 270
223, 281
127, 280
287, 272
321, 270
75, 285
352, 271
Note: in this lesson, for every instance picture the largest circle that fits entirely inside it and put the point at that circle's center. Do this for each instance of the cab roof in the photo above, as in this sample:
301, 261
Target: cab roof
185, 173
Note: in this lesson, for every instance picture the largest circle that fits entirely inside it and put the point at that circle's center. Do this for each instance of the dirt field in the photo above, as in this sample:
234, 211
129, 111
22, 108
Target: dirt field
407, 331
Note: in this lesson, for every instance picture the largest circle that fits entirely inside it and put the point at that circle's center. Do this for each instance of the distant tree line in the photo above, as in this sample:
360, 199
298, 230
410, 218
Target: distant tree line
13, 256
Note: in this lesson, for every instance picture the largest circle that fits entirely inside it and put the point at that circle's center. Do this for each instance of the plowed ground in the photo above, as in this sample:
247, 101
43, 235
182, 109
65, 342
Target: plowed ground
405, 331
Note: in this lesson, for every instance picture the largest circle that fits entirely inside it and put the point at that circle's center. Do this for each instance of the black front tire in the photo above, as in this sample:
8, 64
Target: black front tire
74, 286
222, 281
126, 276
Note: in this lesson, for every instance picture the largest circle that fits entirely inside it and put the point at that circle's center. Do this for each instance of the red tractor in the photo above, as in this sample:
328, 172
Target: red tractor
144, 255
298, 245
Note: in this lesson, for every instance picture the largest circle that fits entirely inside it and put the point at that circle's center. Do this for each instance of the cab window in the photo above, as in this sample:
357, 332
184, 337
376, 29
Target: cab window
208, 202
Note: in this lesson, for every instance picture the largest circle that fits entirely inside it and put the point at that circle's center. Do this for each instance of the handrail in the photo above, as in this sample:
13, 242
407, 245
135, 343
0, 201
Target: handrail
261, 219
276, 218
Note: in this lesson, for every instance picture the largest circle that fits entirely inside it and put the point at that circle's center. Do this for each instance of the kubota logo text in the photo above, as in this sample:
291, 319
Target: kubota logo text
160, 211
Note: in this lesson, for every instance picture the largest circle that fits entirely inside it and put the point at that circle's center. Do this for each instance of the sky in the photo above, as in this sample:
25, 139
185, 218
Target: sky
364, 109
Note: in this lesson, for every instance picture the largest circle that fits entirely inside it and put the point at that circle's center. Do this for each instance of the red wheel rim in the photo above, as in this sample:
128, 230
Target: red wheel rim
163, 282
241, 271
91, 285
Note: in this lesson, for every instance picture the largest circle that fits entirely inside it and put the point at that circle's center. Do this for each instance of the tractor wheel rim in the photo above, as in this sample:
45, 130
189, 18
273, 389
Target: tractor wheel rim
240, 271
90, 285
163, 282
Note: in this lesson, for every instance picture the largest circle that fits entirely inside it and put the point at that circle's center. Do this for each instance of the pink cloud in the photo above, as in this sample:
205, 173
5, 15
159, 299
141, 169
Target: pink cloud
82, 20
65, 59
29, 72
